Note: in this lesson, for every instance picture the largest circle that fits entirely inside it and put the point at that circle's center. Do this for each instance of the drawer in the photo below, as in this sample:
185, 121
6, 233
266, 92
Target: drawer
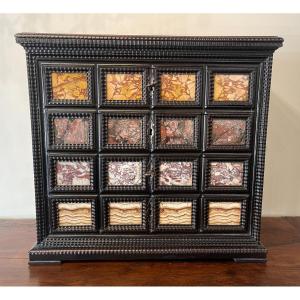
68, 84
228, 131
70, 214
70, 130
176, 173
176, 131
232, 85
124, 173
226, 172
74, 173
224, 213
124, 131
124, 214
174, 213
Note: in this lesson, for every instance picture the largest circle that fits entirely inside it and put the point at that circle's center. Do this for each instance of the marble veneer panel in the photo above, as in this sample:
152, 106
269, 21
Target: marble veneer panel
71, 131
176, 132
124, 86
124, 131
73, 173
175, 213
125, 213
124, 173
224, 213
69, 86
231, 87
228, 132
226, 173
74, 214
177, 87
176, 173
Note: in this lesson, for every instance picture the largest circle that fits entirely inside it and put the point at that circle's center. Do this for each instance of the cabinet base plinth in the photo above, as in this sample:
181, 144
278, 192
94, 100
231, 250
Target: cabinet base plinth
58, 249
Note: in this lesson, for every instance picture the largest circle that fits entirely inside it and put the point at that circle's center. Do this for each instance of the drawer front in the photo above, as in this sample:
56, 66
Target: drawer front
123, 139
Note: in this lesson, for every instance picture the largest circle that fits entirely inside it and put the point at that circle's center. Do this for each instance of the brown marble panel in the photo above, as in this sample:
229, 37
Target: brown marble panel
177, 132
124, 87
68, 131
71, 173
175, 213
124, 131
125, 213
176, 173
69, 86
74, 214
226, 173
125, 173
228, 132
224, 213
231, 87
178, 87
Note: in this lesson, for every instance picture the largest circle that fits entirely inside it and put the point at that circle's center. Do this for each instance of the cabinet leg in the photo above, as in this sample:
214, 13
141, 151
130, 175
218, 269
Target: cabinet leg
249, 260
44, 262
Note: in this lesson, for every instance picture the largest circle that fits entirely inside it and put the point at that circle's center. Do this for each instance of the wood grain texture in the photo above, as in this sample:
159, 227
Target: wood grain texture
125, 213
224, 213
282, 268
175, 213
74, 214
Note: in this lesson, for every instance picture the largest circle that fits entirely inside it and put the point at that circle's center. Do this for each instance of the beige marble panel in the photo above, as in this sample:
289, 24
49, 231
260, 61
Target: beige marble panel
125, 213
224, 213
175, 213
74, 214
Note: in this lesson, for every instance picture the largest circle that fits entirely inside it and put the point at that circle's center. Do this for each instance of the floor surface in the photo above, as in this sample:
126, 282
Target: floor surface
280, 235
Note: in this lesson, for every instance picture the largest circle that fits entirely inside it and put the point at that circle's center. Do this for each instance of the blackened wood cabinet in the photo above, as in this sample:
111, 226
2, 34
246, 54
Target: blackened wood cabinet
148, 147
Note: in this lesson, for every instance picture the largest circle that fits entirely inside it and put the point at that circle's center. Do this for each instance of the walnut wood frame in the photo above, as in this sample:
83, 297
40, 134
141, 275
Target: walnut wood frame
82, 49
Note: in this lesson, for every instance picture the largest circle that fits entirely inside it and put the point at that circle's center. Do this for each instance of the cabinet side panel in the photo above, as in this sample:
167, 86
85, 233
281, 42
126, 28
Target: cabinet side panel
36, 131
261, 135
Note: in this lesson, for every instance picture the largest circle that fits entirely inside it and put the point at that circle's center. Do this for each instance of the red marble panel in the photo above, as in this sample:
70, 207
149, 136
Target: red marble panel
176, 173
124, 131
73, 173
226, 173
177, 132
228, 132
124, 173
68, 131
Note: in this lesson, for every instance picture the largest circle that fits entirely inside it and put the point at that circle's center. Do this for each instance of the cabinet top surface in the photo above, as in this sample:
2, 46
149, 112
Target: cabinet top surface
141, 41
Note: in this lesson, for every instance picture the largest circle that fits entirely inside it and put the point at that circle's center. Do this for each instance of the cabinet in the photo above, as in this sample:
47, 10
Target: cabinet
148, 147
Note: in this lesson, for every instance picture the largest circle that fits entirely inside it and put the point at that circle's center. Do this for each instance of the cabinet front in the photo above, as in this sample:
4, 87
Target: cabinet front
149, 148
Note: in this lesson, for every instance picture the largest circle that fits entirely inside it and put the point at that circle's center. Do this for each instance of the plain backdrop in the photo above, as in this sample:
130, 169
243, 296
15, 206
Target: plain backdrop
282, 180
